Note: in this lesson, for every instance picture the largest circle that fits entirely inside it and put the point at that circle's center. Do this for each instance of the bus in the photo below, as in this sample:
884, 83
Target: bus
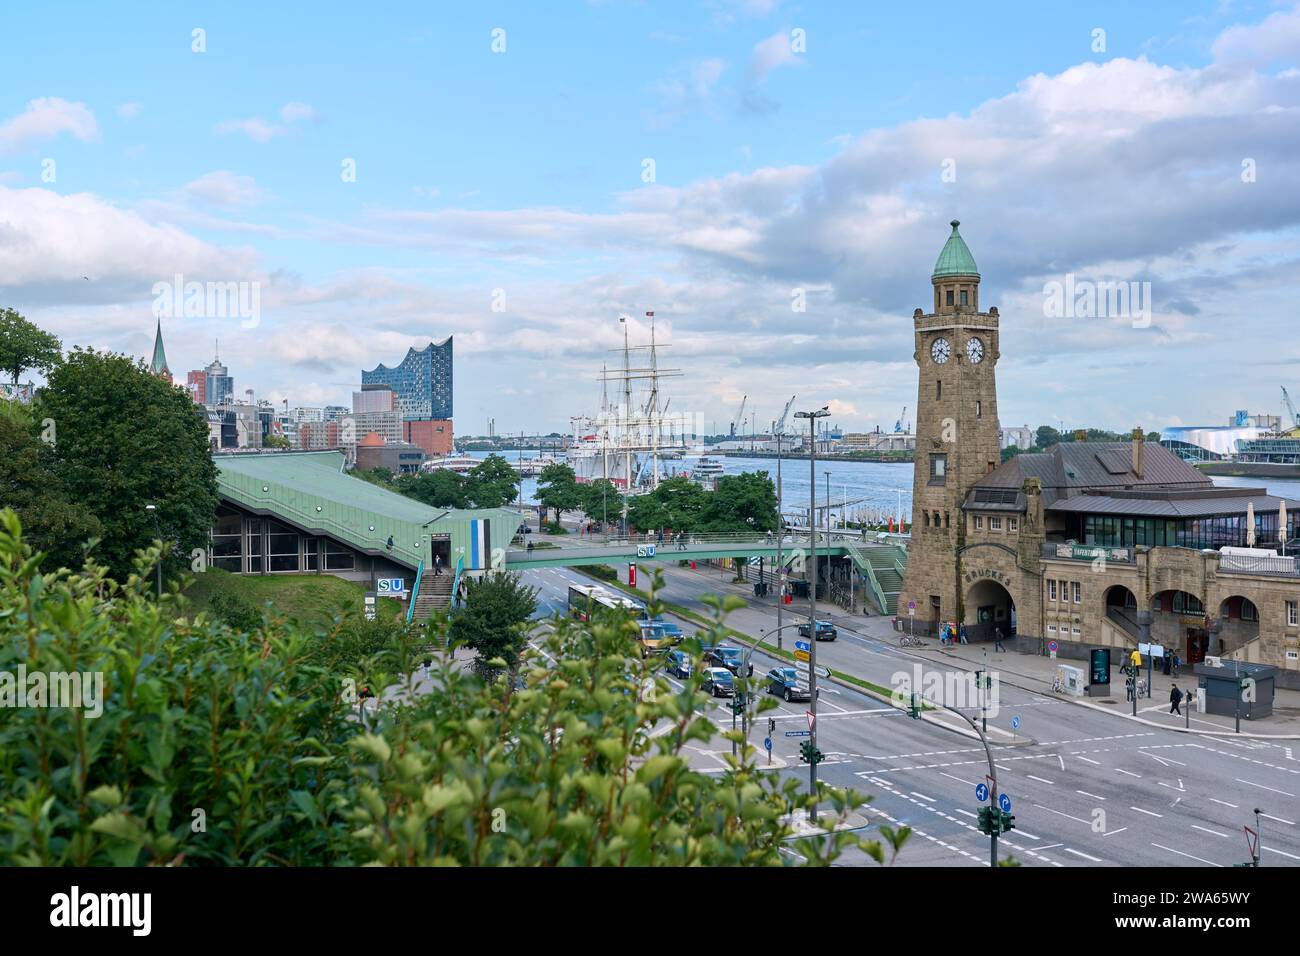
584, 598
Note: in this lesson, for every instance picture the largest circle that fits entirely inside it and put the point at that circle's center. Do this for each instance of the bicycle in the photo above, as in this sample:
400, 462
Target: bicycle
909, 641
1058, 685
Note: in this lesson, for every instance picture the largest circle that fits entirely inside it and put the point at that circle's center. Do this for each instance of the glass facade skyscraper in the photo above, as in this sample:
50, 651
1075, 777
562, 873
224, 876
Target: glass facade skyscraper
422, 383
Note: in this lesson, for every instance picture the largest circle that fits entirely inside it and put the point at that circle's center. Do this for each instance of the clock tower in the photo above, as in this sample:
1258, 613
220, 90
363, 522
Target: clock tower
957, 440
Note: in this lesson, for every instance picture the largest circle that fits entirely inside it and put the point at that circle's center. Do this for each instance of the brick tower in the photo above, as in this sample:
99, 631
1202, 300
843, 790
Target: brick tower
957, 439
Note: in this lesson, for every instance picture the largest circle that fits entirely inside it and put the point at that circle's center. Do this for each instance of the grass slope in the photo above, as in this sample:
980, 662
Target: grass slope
310, 598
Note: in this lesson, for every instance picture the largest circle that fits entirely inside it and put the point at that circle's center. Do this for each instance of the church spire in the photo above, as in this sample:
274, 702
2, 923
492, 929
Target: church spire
159, 364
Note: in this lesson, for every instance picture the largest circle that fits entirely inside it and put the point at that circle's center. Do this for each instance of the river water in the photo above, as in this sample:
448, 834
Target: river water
872, 489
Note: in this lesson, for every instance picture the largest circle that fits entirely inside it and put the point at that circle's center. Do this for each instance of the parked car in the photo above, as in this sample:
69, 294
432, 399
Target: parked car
718, 682
786, 682
729, 657
825, 631
672, 630
678, 663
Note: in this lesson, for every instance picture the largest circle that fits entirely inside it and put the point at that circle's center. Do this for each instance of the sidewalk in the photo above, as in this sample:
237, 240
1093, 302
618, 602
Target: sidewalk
1035, 672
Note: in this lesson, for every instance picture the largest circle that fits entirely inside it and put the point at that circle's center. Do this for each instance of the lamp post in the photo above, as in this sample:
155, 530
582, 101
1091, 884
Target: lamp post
812, 417
780, 534
153, 513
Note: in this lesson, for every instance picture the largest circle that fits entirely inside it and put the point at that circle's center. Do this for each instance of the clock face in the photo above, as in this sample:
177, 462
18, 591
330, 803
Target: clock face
940, 351
975, 351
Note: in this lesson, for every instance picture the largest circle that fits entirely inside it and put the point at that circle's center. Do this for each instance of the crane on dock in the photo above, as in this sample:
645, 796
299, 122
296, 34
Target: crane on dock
1286, 403
739, 421
899, 427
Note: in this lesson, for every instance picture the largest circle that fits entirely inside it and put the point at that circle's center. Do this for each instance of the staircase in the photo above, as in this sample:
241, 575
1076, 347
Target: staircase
435, 595
885, 566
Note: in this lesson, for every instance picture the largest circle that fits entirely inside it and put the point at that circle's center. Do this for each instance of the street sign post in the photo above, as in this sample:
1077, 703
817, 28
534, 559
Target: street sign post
1015, 722
812, 718
802, 645
798, 733
801, 655
645, 551
981, 792
767, 742
1004, 802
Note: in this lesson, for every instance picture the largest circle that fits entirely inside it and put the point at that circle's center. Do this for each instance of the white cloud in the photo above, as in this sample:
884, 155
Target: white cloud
224, 188
46, 118
1277, 37
261, 131
770, 54
129, 111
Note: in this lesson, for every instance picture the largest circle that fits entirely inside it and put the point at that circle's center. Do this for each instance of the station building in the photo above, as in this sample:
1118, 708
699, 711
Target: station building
301, 513
1088, 544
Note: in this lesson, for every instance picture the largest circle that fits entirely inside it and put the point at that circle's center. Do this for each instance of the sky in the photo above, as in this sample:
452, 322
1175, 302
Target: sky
774, 180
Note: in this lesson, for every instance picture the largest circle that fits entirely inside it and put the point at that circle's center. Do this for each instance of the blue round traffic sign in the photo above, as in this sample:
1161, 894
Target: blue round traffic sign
981, 792
767, 742
1005, 803
1015, 722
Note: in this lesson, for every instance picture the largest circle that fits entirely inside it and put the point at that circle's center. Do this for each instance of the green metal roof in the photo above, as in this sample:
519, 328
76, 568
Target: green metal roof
311, 490
955, 260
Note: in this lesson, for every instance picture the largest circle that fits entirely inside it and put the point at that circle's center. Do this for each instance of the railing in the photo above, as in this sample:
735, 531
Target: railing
1123, 622
455, 582
1248, 564
415, 592
868, 575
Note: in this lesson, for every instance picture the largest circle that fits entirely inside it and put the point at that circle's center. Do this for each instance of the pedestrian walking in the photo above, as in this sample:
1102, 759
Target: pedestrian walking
389, 545
437, 562
997, 640
961, 634
1168, 659
1177, 663
661, 535
1175, 698
943, 634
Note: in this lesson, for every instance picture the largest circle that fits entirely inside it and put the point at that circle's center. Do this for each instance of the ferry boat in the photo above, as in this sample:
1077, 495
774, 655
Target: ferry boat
707, 471
457, 463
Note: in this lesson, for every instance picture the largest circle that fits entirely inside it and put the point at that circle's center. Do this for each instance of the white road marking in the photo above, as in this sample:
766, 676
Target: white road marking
1207, 830
1087, 794
1084, 855
1283, 853
1138, 775
944, 773
1096, 763
1039, 779
1024, 834
1188, 855
1224, 802
965, 813
1059, 813
922, 796
1113, 832
1164, 761
1179, 788
1269, 816
1147, 812
1262, 787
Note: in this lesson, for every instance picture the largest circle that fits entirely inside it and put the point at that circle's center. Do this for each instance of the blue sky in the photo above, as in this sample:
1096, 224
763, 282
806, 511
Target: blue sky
776, 168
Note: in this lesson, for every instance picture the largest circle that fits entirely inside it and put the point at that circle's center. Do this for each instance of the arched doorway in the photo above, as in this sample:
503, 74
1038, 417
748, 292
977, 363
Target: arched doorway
1121, 608
1178, 621
1238, 624
989, 606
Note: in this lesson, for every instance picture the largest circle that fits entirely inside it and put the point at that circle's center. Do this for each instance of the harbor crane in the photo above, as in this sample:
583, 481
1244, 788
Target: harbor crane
779, 427
899, 427
1286, 403
739, 421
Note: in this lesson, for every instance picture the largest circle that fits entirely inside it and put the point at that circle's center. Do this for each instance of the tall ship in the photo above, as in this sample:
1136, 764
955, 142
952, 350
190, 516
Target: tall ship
632, 436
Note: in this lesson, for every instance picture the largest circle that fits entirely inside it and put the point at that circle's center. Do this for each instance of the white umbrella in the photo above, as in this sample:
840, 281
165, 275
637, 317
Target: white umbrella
1281, 524
1250, 524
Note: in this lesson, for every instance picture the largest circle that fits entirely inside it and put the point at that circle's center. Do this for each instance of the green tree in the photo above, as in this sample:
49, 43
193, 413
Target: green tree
1046, 436
124, 439
493, 483
275, 441
684, 500
57, 523
497, 606
557, 489
744, 502
441, 488
26, 346
376, 476
262, 738
601, 500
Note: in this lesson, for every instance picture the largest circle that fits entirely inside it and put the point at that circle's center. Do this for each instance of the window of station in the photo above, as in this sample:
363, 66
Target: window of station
979, 523
1013, 524
963, 297
254, 547
282, 548
338, 557
995, 523
311, 554
227, 541
1051, 589
949, 298
1078, 593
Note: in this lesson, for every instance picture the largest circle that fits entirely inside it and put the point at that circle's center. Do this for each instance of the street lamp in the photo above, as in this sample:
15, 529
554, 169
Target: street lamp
153, 513
780, 534
812, 417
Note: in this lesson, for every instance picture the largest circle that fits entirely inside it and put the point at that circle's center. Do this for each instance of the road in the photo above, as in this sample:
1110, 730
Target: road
1087, 788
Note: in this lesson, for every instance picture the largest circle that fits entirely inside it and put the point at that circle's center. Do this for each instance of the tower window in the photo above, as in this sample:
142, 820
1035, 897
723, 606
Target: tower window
946, 522
978, 409
963, 297
936, 519
950, 297
926, 515
938, 389
938, 469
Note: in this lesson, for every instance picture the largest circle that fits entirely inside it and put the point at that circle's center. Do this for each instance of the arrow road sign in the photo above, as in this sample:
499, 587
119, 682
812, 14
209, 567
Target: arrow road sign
1004, 802
802, 667
801, 655
767, 742
802, 645
981, 792
1015, 722
798, 733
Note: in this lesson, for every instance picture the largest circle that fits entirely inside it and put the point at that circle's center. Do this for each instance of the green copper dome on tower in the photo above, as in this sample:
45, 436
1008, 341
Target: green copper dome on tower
955, 260
159, 364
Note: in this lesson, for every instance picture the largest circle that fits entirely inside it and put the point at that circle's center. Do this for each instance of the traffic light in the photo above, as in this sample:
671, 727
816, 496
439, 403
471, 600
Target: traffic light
809, 754
990, 821
914, 707
771, 726
1005, 823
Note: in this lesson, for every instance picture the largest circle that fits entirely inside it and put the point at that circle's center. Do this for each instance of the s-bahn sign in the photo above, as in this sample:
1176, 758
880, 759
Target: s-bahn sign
977, 574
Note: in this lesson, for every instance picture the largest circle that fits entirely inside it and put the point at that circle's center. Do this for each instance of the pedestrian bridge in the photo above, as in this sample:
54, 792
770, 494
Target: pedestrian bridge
880, 564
